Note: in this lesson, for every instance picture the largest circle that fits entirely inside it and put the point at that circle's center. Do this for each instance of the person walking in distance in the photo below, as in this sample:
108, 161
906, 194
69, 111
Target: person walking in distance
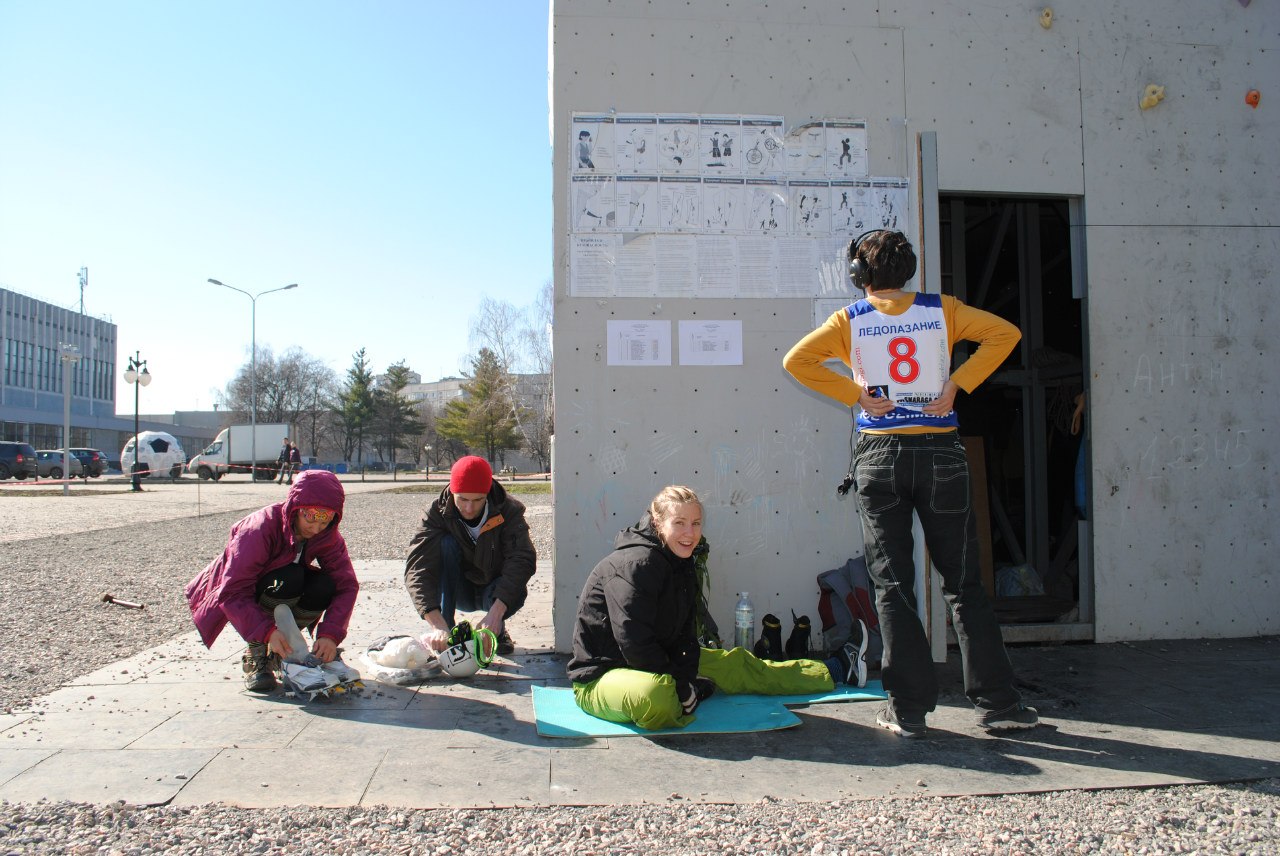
909, 460
282, 461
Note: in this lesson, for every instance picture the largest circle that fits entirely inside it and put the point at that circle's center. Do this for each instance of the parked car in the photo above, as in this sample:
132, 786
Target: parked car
49, 464
93, 461
17, 460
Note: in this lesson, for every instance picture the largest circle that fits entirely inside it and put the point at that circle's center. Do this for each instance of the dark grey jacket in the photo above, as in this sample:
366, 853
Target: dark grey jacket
636, 611
503, 551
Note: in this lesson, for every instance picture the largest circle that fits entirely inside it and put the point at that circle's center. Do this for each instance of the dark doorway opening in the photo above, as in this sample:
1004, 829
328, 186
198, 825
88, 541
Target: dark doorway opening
1025, 426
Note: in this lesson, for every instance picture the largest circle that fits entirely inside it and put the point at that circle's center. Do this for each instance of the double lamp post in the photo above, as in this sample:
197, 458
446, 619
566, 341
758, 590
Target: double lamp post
253, 370
137, 375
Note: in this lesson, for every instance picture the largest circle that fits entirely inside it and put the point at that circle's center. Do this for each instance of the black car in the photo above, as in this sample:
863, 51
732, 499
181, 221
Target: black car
93, 461
17, 460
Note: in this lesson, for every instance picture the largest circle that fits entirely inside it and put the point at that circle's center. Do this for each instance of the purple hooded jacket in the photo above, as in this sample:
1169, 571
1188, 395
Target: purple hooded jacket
261, 543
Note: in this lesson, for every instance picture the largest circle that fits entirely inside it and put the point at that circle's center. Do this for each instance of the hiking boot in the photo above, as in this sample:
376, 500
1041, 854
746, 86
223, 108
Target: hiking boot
258, 665
769, 646
1015, 716
505, 645
901, 726
798, 642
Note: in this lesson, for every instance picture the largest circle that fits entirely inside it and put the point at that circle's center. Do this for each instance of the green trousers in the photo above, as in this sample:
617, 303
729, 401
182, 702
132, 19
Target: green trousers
650, 701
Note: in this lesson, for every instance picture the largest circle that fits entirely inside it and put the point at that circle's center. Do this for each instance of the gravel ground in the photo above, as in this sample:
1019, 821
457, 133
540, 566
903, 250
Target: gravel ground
1201, 819
57, 628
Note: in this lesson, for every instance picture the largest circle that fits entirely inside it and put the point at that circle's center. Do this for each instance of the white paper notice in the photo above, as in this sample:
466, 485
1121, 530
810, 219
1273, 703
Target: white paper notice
710, 343
636, 271
591, 265
636, 139
638, 343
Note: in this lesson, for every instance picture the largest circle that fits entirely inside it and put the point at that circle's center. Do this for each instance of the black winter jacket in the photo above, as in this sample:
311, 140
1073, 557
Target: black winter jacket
637, 611
504, 551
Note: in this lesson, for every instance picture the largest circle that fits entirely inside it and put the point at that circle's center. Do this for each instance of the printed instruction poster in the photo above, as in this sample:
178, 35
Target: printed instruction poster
685, 205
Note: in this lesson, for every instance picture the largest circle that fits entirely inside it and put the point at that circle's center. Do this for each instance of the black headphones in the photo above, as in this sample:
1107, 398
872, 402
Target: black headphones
859, 270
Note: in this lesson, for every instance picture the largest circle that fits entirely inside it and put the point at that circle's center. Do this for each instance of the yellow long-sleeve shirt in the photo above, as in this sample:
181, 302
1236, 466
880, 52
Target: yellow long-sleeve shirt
995, 336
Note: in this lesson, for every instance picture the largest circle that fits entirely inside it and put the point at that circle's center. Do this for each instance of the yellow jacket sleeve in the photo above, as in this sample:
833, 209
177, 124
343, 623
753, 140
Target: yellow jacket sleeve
995, 336
806, 361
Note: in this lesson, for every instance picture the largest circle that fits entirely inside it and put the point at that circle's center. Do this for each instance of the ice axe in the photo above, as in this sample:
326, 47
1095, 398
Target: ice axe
127, 604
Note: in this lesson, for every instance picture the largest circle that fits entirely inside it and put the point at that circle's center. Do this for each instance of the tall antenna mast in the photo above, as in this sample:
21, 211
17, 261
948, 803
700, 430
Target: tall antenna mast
84, 280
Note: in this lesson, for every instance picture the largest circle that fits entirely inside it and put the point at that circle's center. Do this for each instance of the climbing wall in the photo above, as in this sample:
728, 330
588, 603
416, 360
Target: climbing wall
1179, 202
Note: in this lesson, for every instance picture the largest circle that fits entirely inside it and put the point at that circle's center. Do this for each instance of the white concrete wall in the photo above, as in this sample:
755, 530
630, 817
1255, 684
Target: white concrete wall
1180, 243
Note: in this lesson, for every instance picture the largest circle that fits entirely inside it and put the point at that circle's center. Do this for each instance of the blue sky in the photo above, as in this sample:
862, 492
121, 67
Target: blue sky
392, 158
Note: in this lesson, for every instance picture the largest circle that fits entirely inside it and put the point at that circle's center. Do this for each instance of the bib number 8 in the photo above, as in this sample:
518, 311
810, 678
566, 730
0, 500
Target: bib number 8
903, 367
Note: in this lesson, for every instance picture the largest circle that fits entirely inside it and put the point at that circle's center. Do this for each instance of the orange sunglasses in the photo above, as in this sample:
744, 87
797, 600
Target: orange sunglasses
316, 514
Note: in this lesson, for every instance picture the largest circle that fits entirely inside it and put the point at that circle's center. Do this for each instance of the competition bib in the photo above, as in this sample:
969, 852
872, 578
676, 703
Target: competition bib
904, 358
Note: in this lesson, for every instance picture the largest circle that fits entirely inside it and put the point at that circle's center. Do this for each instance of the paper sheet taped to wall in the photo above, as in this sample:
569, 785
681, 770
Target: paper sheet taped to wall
683, 205
638, 343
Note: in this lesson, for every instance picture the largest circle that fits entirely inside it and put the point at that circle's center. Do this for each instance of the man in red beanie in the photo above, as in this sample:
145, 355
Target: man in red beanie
471, 552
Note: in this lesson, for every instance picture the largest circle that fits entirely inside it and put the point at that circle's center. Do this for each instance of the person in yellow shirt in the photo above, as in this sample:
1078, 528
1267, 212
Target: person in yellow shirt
909, 460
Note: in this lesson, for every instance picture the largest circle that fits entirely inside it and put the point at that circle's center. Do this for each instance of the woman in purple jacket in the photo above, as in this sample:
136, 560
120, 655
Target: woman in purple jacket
287, 553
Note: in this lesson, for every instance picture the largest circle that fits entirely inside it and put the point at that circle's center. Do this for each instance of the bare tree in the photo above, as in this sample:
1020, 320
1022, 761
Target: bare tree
498, 326
537, 340
295, 389
520, 340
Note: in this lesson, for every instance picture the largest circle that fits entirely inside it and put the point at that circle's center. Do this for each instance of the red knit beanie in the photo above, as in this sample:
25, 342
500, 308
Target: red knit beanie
470, 474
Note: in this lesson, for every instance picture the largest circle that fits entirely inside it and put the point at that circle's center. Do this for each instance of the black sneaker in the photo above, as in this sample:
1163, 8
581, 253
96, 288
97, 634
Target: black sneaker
859, 642
1017, 716
886, 718
846, 667
505, 645
257, 665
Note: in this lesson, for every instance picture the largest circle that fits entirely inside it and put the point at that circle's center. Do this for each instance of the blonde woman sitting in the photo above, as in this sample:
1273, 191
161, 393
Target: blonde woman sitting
636, 656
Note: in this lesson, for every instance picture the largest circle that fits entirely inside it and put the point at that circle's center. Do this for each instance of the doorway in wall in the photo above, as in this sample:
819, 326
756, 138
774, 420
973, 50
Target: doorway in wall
1025, 426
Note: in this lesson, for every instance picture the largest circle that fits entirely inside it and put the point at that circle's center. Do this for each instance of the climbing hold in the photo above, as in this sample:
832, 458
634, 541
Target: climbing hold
1046, 17
1252, 97
1151, 96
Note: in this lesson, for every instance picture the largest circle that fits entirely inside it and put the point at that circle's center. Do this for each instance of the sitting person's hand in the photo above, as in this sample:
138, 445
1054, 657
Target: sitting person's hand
688, 695
491, 622
325, 648
278, 645
693, 693
435, 639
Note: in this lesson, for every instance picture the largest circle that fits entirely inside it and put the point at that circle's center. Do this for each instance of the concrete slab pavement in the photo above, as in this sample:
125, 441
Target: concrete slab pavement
173, 724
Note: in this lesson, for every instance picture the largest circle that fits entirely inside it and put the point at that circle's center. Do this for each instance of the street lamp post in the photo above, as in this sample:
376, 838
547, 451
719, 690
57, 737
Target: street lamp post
70, 356
137, 375
253, 368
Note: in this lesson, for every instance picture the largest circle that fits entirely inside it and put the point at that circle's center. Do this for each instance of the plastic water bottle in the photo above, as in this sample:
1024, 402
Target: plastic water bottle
744, 623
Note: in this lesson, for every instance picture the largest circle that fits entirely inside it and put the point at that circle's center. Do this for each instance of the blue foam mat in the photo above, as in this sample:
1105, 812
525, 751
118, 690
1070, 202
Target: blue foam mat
558, 715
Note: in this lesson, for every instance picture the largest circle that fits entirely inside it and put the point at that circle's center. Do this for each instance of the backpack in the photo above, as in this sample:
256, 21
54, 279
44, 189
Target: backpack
845, 594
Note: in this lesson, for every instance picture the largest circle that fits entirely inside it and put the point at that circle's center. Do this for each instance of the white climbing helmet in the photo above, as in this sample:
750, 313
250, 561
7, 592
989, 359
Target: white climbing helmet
466, 652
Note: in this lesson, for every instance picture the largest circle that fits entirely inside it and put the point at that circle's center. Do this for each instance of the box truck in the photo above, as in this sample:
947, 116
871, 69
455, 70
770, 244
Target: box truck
233, 451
